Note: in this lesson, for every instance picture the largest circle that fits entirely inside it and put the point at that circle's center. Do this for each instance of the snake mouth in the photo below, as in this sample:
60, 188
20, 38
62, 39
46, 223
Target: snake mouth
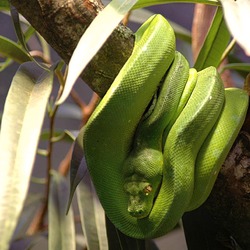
138, 213
138, 208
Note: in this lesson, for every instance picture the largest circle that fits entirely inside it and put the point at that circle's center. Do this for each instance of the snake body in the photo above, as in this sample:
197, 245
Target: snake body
155, 143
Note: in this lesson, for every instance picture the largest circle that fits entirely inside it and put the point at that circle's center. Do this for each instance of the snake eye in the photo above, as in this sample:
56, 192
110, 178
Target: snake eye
147, 189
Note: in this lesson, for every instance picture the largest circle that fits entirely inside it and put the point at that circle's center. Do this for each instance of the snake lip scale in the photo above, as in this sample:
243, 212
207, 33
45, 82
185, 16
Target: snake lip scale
150, 167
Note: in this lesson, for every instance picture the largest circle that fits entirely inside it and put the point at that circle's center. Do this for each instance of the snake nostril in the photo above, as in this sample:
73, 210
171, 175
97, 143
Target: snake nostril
137, 213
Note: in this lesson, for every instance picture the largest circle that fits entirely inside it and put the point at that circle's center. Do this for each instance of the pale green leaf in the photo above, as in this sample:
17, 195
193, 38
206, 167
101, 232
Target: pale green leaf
22, 120
237, 17
98, 31
91, 212
61, 226
92, 215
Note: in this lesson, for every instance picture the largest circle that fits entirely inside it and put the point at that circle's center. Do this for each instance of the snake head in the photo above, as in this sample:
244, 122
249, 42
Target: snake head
142, 179
140, 198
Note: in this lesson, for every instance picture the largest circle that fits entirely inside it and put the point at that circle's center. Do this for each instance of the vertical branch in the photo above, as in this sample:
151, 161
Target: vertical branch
86, 113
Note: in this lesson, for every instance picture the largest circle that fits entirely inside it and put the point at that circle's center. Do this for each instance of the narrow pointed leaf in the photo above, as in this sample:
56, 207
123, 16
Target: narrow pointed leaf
146, 3
237, 66
78, 167
92, 215
12, 50
61, 226
215, 43
22, 120
99, 30
238, 19
91, 211
58, 136
19, 33
5, 64
21, 37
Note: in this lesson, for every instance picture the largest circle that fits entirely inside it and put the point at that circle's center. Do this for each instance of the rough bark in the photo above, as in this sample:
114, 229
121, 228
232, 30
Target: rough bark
62, 22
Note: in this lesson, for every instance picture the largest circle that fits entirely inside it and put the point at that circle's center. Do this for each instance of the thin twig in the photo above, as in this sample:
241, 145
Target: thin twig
125, 20
90, 107
228, 50
39, 54
65, 163
86, 110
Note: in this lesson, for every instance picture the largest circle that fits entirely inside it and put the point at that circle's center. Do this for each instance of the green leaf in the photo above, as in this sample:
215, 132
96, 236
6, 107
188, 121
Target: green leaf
237, 66
4, 5
215, 43
146, 3
12, 50
5, 64
19, 33
61, 226
99, 30
22, 120
78, 166
59, 135
92, 215
21, 37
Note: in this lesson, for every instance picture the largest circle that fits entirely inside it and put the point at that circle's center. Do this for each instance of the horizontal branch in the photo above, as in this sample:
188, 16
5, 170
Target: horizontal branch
62, 23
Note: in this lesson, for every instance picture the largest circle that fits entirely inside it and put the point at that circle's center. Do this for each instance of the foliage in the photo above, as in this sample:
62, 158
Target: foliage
30, 99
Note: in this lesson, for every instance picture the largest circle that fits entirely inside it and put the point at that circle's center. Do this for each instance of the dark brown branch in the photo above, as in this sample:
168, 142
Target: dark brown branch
62, 22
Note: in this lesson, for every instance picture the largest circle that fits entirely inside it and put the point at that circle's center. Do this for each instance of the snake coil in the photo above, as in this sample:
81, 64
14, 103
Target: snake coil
156, 141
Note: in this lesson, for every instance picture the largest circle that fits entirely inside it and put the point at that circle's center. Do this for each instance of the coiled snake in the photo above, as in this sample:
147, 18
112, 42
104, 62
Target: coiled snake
156, 141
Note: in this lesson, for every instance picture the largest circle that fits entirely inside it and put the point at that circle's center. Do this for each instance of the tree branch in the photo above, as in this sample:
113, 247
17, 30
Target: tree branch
62, 23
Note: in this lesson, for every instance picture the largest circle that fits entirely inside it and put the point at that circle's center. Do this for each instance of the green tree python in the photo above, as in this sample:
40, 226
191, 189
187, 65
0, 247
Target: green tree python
155, 143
